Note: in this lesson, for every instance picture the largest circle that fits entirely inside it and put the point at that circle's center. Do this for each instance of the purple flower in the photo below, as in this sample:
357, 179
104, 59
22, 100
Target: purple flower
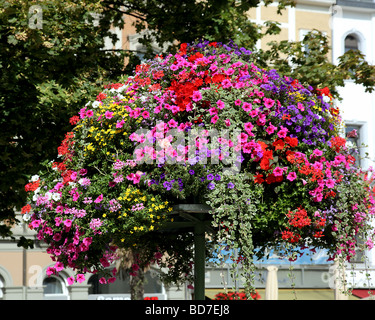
230, 185
167, 185
191, 171
211, 186
210, 177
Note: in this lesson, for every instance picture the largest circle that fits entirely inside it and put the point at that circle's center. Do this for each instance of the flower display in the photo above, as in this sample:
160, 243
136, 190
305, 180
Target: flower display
203, 125
236, 296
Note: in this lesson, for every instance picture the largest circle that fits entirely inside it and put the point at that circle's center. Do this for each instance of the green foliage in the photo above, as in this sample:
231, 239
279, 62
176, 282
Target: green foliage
49, 68
309, 62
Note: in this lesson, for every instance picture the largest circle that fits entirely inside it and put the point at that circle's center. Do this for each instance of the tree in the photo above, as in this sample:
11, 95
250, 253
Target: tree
169, 23
52, 59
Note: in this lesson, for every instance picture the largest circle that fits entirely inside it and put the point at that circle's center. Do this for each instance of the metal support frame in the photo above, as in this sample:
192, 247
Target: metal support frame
193, 217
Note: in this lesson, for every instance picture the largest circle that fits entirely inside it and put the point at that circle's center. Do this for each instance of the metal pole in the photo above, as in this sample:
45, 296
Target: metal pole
199, 261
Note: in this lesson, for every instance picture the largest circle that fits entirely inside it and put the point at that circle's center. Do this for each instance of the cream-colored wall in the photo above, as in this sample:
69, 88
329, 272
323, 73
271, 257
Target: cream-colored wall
12, 262
301, 17
36, 264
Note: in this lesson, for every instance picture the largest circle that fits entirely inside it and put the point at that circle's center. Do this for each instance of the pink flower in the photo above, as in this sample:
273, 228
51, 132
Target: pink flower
105, 263
80, 278
283, 132
196, 96
271, 129
330, 183
70, 280
317, 152
145, 114
68, 223
278, 172
248, 127
172, 123
56, 237
89, 113
268, 102
229, 72
120, 124
214, 119
108, 114
87, 241
212, 111
253, 113
243, 137
50, 271
227, 122
102, 280
247, 106
59, 266
99, 199
73, 176
226, 83
291, 176
220, 104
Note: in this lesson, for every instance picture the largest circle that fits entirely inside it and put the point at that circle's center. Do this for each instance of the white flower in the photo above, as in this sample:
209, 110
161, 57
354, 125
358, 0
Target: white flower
72, 184
56, 196
96, 104
26, 217
36, 191
48, 195
326, 99
34, 178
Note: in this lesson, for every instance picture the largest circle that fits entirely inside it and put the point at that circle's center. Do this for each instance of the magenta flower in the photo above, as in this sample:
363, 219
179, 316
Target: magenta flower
80, 278
291, 176
89, 113
268, 103
330, 183
278, 172
220, 104
108, 114
197, 96
247, 106
271, 129
283, 132
59, 266
99, 199
70, 280
214, 119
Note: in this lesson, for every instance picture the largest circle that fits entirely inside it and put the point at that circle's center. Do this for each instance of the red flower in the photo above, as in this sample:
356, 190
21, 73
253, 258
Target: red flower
74, 120
298, 219
32, 186
279, 144
26, 209
293, 142
183, 47
259, 178
101, 96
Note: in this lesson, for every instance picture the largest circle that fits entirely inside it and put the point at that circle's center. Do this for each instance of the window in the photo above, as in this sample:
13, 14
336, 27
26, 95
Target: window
1, 287
152, 285
54, 288
352, 134
351, 42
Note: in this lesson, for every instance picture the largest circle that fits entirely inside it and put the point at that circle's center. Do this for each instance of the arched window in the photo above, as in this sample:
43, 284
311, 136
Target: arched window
54, 288
1, 287
351, 42
121, 287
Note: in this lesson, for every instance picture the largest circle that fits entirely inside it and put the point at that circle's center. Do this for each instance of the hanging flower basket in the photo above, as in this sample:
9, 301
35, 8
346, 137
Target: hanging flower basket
204, 125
